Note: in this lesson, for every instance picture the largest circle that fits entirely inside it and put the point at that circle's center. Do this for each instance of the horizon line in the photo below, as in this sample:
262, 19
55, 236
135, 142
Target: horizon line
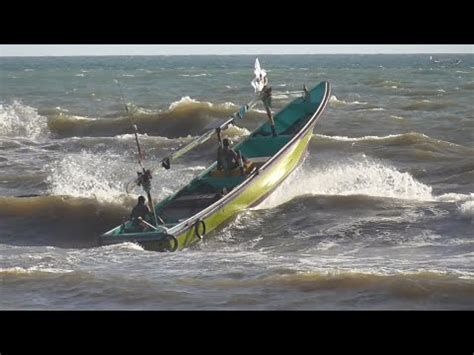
225, 55
76, 50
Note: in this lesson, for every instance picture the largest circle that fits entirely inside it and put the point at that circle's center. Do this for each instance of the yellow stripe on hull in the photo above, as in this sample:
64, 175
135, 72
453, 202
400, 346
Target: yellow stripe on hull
262, 185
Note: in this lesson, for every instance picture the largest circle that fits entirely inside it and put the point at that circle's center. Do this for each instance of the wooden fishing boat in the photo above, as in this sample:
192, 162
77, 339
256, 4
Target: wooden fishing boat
214, 197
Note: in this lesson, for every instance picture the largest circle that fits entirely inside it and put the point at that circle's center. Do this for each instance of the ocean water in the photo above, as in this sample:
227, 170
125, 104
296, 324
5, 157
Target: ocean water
378, 216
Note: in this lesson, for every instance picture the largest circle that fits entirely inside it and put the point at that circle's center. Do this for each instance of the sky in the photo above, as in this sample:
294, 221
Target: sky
179, 49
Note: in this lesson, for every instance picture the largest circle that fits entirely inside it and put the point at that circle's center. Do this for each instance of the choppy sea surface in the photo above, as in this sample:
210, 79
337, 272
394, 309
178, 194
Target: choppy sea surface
378, 216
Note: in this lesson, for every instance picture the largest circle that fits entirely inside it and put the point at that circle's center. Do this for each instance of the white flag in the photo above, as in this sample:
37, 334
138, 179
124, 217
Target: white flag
260, 77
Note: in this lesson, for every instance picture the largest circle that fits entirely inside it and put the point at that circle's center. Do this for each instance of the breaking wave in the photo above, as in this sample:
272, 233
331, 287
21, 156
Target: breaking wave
20, 120
182, 118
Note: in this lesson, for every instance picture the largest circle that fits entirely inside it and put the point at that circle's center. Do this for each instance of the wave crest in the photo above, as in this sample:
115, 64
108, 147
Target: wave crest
334, 101
184, 117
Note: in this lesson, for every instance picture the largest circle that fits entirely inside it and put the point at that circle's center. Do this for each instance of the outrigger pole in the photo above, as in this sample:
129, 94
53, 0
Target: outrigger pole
144, 177
206, 136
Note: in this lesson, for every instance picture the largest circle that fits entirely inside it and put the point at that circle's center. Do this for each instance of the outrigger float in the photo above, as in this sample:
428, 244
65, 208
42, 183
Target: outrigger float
214, 197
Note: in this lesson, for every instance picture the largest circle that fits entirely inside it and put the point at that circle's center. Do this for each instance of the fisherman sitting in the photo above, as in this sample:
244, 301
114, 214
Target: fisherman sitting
141, 210
228, 160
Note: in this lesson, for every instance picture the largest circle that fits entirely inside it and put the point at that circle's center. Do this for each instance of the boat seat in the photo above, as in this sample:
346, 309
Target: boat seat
251, 164
259, 160
248, 168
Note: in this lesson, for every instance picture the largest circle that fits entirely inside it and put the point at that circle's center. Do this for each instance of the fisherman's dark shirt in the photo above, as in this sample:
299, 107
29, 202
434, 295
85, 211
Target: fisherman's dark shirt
227, 159
140, 211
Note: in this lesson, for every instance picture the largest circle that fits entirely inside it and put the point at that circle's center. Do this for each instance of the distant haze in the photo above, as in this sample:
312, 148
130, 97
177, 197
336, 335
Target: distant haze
105, 50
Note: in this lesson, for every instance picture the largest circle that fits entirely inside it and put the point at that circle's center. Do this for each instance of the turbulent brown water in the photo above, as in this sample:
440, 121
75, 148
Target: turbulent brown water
379, 215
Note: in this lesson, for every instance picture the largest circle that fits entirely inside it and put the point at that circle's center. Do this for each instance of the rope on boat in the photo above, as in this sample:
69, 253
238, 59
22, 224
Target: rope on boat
196, 228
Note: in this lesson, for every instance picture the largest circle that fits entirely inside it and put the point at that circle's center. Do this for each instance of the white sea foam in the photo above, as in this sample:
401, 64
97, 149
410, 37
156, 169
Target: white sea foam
19, 120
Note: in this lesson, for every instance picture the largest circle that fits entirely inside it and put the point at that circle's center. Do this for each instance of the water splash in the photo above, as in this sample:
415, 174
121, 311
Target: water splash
104, 176
356, 176
19, 120
89, 175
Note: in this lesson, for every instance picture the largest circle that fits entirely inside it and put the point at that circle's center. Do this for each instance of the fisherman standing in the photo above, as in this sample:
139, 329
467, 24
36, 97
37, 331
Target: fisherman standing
261, 86
266, 96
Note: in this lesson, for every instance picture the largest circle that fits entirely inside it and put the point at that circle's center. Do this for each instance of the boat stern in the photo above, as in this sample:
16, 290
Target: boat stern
156, 240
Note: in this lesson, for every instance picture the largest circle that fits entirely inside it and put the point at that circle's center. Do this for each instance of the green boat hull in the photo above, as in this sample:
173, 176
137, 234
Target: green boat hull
275, 158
